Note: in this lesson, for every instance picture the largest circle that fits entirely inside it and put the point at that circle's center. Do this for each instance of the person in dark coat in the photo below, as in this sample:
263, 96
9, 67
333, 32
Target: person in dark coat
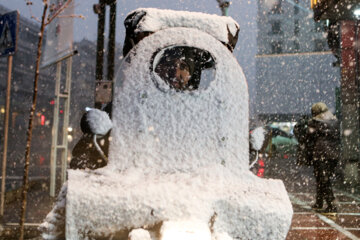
305, 146
324, 132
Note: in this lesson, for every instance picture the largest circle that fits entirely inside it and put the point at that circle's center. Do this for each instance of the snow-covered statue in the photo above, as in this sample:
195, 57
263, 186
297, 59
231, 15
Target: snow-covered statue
179, 151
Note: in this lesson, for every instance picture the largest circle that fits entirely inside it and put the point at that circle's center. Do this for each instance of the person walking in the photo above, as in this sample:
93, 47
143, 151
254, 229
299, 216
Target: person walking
324, 133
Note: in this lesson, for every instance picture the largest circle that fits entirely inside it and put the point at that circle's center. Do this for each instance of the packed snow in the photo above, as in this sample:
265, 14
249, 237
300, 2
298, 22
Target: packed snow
177, 159
257, 138
139, 234
54, 223
159, 19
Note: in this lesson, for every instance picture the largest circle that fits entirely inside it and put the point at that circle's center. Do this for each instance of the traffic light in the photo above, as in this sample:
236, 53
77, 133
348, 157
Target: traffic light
313, 3
42, 120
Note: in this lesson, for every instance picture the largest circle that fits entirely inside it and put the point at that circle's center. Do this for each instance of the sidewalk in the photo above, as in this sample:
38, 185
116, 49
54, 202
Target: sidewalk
39, 204
308, 224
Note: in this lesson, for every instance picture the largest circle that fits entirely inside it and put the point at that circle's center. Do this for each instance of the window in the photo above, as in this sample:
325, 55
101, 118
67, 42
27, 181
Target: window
296, 7
276, 47
319, 26
276, 9
296, 27
319, 45
276, 27
296, 46
184, 68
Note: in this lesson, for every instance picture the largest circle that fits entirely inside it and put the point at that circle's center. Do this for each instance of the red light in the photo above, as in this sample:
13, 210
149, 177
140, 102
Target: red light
260, 172
41, 160
42, 120
261, 163
61, 111
286, 156
52, 102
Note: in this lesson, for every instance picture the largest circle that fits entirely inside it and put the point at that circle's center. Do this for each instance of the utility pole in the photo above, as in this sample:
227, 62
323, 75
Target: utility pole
104, 86
9, 24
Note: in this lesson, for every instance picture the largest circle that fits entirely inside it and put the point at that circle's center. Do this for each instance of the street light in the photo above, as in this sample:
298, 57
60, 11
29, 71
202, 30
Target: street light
357, 13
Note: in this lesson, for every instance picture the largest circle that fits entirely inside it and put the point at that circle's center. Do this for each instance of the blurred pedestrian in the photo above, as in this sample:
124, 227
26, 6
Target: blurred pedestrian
305, 144
324, 133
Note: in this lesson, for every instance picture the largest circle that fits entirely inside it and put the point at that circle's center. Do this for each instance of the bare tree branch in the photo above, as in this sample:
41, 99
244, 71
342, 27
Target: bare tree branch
36, 19
72, 16
29, 4
60, 10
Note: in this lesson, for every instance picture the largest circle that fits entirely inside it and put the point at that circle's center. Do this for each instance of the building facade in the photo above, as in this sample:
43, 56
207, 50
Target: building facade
23, 72
294, 66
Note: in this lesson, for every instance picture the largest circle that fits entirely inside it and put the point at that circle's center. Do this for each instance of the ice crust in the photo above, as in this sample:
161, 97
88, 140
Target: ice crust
177, 156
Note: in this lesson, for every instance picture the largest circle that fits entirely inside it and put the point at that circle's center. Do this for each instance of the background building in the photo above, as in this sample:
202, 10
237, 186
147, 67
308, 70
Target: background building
21, 98
294, 66
82, 95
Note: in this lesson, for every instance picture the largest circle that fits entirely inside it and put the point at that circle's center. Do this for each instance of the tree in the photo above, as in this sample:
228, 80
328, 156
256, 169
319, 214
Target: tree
46, 19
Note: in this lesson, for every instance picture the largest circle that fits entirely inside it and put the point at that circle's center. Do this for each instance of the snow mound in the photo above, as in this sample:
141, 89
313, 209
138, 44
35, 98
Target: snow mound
239, 205
54, 223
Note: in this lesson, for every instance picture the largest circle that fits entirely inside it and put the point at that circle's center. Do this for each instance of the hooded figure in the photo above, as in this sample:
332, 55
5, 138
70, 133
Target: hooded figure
324, 133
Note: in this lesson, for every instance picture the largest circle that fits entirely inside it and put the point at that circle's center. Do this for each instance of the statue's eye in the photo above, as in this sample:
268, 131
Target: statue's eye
173, 64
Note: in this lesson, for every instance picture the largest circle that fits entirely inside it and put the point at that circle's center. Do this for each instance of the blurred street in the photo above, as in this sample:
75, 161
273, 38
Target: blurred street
306, 223
39, 204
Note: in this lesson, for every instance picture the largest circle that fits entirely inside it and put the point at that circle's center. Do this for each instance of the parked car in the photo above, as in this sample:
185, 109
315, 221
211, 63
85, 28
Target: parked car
282, 144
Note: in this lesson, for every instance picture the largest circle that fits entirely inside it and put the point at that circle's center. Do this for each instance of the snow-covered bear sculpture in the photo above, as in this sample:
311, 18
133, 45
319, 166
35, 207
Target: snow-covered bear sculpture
178, 159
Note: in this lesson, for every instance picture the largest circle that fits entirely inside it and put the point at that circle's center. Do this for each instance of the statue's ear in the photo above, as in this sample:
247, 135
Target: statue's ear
232, 39
96, 122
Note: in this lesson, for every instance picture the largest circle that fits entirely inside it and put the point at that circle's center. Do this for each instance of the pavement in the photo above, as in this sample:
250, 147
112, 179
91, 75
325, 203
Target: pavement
39, 204
310, 224
307, 223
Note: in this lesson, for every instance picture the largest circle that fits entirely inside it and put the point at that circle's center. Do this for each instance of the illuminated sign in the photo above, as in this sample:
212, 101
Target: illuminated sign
313, 3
